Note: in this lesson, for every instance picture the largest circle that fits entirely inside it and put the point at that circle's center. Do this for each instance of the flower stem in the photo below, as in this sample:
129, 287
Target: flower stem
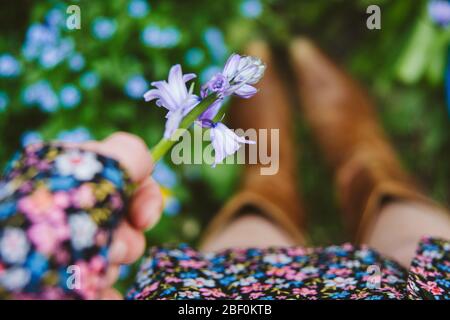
164, 145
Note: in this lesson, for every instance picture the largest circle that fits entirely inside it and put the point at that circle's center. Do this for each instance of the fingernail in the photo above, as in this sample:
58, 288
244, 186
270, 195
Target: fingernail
118, 251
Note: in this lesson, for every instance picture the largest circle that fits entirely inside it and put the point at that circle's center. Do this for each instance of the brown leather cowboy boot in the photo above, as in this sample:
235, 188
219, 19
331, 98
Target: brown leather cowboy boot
274, 196
343, 120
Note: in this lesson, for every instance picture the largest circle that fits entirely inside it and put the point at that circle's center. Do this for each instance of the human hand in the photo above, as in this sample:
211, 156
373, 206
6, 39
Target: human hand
145, 207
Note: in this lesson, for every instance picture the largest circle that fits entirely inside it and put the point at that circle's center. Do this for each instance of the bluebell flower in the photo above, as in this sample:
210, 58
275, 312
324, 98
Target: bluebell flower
104, 28
194, 57
238, 77
251, 8
79, 134
9, 66
215, 42
70, 96
138, 8
89, 80
76, 62
136, 86
174, 96
224, 141
30, 137
4, 100
439, 11
209, 72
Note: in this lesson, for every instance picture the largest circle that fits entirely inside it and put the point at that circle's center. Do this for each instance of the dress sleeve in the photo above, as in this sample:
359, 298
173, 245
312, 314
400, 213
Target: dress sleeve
58, 208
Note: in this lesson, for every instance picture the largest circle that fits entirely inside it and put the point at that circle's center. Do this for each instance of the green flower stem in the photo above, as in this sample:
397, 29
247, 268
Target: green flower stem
164, 145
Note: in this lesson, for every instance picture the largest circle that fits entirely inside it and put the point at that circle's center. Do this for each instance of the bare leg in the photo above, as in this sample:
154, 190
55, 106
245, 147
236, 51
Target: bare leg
401, 224
249, 230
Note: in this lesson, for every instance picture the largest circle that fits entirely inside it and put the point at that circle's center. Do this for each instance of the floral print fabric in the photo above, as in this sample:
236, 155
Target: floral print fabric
58, 209
429, 276
335, 272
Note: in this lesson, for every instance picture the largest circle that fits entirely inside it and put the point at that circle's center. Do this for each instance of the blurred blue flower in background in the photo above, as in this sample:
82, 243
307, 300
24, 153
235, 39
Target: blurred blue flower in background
138, 8
172, 207
79, 134
55, 18
76, 62
124, 271
136, 86
439, 11
89, 80
69, 96
164, 175
51, 56
42, 94
38, 37
9, 66
43, 43
209, 72
215, 42
151, 35
49, 101
30, 137
104, 28
194, 57
251, 8
4, 100
156, 37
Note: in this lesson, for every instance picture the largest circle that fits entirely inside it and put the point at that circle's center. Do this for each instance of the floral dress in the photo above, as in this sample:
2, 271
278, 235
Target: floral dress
58, 208
334, 272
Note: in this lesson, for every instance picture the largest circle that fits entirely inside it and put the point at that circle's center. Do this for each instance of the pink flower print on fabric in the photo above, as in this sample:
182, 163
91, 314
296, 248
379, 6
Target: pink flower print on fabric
43, 206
